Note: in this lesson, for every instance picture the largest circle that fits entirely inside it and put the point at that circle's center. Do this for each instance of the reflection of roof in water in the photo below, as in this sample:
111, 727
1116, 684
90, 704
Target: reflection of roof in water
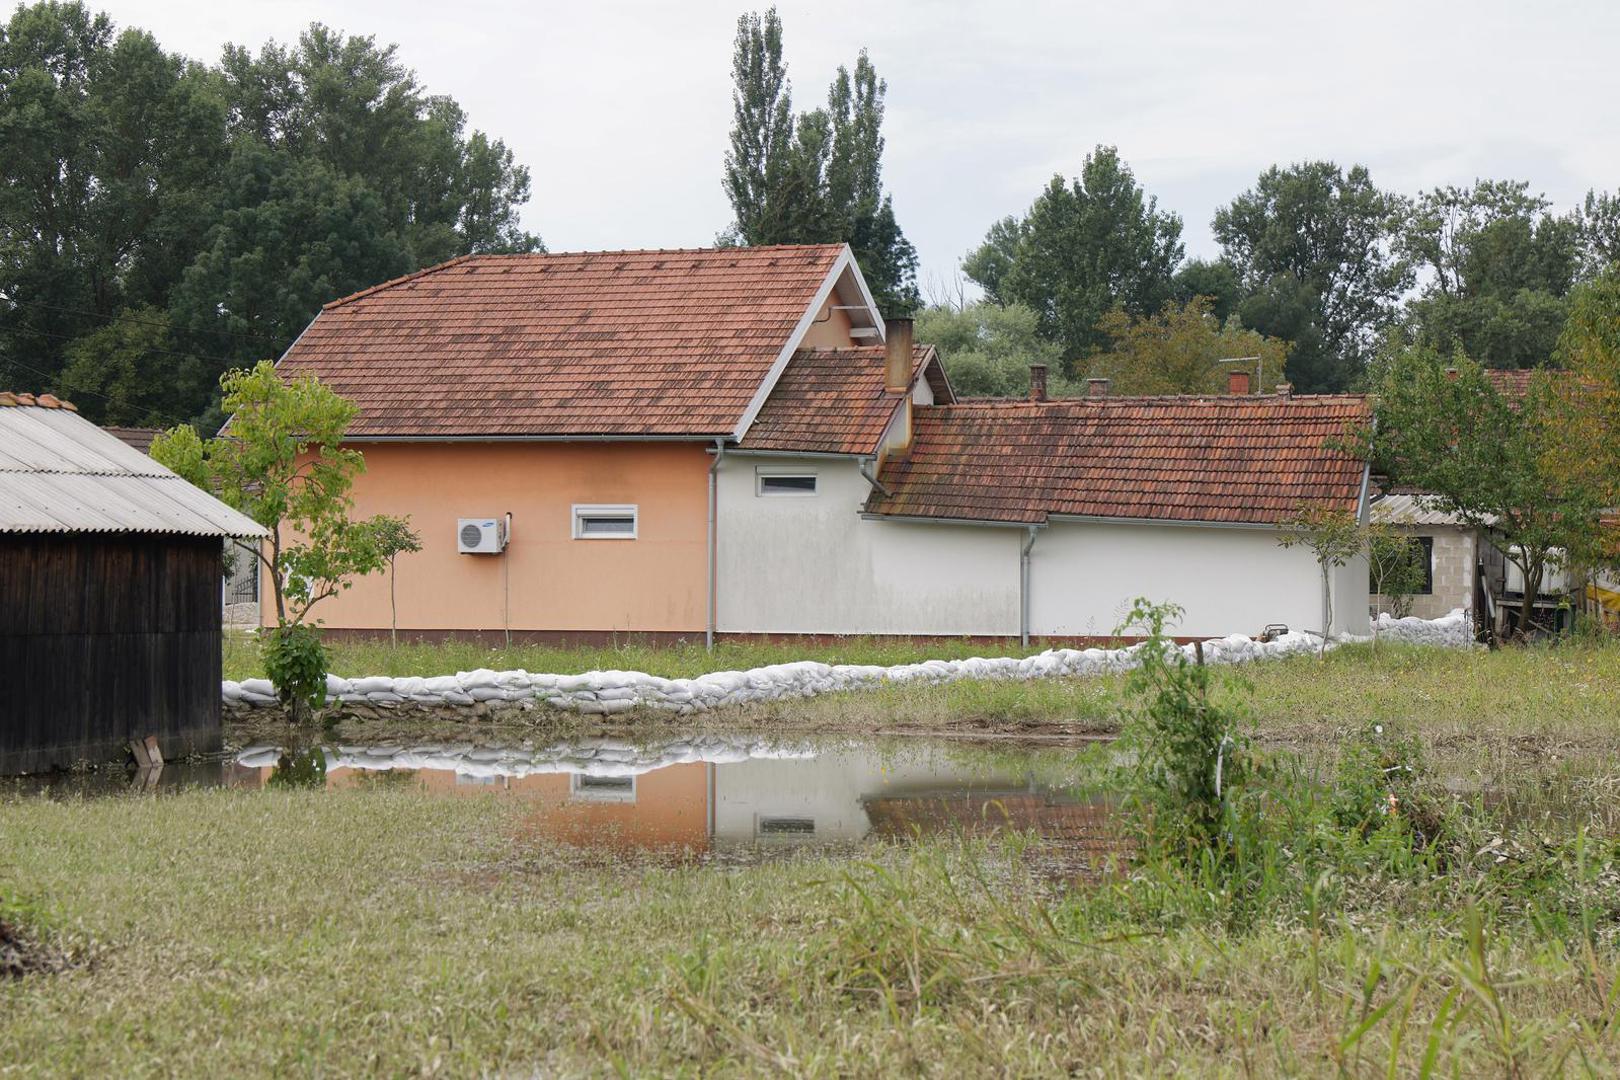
1052, 817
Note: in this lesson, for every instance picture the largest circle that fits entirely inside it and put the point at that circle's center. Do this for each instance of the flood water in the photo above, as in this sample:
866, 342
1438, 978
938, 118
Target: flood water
708, 796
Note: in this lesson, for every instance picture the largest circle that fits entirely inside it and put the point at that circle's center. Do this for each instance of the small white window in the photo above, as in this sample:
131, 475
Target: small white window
602, 788
795, 483
604, 522
786, 826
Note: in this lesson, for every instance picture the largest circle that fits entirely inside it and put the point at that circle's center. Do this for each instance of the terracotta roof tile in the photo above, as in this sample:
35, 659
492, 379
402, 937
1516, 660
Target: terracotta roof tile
1250, 460
16, 398
640, 343
833, 401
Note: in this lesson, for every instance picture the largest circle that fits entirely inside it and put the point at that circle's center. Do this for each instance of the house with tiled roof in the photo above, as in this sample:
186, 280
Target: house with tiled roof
572, 410
735, 441
1047, 518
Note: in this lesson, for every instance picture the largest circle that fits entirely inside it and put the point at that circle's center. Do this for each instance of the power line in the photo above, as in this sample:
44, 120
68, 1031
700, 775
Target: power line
153, 349
86, 391
126, 317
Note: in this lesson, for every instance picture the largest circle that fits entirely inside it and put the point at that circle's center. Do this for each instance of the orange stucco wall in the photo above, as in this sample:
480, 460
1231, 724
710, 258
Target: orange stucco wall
656, 582
831, 328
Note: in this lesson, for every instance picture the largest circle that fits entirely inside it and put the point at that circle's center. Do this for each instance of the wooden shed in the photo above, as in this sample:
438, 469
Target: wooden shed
110, 571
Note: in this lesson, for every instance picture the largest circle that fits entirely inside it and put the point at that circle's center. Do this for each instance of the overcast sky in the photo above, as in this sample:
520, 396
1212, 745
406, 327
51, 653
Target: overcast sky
621, 109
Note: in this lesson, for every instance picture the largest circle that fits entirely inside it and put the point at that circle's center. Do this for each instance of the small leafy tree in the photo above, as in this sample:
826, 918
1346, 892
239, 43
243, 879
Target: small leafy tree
281, 462
1334, 537
1191, 756
1177, 350
394, 538
1395, 568
1489, 457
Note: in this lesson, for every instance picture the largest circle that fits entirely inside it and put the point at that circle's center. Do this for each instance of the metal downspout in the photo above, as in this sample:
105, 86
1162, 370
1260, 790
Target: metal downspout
1023, 585
714, 498
865, 467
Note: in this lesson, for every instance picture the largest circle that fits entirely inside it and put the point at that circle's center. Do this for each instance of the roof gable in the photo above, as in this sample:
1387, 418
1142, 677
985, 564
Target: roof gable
1233, 460
834, 401
634, 344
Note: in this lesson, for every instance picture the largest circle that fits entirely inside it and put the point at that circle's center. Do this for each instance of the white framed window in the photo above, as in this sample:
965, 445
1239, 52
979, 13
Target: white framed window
784, 826
772, 482
584, 788
593, 522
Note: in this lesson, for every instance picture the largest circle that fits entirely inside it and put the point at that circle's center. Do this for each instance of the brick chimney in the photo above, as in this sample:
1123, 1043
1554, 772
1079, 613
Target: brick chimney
1237, 383
1097, 387
897, 354
1285, 389
1037, 382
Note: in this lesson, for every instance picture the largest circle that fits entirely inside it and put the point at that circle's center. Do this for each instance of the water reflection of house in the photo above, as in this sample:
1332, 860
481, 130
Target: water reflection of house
837, 796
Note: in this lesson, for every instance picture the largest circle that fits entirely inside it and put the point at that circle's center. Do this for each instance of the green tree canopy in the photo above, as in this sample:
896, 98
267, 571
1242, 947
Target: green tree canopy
1085, 247
1487, 457
987, 348
1497, 267
1312, 245
228, 201
1177, 350
816, 178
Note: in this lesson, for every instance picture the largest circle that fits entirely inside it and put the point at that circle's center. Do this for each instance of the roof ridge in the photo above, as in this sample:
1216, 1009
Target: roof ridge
414, 274
447, 264
1139, 399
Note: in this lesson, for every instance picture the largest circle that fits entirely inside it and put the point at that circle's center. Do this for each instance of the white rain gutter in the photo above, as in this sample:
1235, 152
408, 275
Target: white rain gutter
714, 500
869, 474
1023, 583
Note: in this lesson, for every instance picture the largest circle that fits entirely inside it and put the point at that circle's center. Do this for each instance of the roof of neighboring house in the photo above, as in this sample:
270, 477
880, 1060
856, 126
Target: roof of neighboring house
834, 401
60, 473
623, 343
1408, 508
137, 438
1237, 460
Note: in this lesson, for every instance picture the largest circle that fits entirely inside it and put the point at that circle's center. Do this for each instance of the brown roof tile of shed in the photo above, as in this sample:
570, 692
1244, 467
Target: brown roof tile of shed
638, 343
833, 401
1238, 460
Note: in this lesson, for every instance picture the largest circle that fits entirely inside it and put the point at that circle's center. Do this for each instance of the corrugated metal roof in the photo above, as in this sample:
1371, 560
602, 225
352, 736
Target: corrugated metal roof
1409, 510
61, 473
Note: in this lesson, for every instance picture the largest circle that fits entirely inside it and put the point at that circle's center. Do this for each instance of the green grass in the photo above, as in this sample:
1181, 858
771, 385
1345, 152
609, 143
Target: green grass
672, 661
380, 931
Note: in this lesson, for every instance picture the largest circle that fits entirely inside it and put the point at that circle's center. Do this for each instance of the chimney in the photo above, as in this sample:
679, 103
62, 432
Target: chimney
1037, 382
897, 354
1097, 387
1285, 389
1237, 383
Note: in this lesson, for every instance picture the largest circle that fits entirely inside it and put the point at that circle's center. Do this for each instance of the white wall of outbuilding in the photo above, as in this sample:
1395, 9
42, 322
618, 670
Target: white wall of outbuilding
813, 565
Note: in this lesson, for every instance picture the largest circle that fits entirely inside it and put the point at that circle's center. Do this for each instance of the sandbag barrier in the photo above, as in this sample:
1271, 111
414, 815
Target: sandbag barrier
604, 693
583, 757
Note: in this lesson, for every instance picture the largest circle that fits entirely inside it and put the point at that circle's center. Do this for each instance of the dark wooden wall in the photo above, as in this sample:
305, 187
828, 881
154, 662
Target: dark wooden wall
106, 637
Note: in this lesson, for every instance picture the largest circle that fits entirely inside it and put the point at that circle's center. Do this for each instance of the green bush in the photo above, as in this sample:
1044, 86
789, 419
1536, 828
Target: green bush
295, 661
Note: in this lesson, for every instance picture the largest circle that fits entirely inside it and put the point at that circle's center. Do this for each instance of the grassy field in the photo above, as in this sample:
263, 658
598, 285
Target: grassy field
376, 931
672, 661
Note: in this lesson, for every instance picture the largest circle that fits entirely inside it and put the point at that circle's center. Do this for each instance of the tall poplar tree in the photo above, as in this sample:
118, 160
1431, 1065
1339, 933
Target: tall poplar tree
816, 177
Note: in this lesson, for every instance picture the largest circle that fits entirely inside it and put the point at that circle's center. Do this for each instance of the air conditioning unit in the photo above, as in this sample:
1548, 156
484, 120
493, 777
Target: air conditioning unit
480, 536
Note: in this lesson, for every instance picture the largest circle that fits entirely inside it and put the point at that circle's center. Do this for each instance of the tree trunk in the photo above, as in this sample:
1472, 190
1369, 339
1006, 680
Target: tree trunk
1527, 606
393, 610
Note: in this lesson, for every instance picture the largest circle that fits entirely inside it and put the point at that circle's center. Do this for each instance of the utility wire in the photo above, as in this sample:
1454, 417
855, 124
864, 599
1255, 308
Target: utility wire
172, 420
153, 349
126, 317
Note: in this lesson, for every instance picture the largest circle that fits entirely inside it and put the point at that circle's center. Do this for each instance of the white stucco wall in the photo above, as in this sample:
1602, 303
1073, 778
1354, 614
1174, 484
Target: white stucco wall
811, 565
830, 789
1084, 577
793, 564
